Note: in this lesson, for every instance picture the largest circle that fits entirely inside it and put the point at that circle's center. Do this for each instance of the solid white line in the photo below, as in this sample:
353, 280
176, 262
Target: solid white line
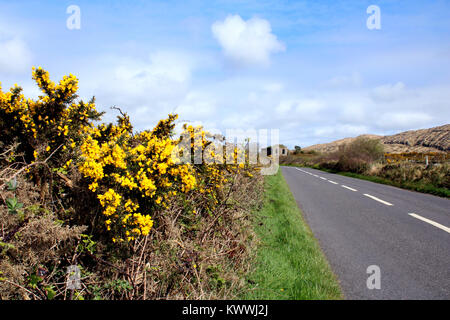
348, 188
315, 175
323, 178
379, 200
332, 182
437, 225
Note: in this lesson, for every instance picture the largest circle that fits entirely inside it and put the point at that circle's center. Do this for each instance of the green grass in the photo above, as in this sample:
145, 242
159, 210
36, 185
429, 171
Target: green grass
410, 185
289, 263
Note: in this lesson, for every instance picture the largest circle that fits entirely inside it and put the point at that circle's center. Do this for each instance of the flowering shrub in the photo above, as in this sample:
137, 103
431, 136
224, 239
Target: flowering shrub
170, 208
51, 125
133, 175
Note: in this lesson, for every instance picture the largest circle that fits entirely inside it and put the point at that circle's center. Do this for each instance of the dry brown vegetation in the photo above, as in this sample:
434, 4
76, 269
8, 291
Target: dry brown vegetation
201, 255
355, 156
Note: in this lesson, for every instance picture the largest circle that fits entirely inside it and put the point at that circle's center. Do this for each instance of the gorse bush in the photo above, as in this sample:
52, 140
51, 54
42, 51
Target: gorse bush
54, 121
133, 174
144, 212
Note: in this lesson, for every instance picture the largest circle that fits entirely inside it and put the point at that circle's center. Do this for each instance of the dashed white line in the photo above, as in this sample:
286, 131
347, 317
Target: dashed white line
437, 225
379, 200
348, 188
433, 223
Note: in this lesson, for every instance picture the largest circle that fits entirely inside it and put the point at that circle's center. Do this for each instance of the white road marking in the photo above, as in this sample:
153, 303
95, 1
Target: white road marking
315, 175
323, 178
379, 200
348, 188
437, 225
332, 182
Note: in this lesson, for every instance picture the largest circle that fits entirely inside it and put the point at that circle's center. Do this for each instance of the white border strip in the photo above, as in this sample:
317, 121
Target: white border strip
437, 225
379, 200
348, 188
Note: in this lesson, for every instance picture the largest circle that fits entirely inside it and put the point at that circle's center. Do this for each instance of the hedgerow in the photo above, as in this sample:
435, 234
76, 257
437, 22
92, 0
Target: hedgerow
125, 207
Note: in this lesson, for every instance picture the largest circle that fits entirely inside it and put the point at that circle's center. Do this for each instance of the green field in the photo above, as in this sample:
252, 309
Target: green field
289, 263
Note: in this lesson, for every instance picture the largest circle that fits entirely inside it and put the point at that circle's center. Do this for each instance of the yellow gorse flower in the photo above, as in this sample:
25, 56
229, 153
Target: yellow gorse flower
141, 172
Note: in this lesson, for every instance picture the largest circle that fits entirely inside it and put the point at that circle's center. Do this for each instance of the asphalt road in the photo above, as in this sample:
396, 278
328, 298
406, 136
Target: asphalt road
360, 224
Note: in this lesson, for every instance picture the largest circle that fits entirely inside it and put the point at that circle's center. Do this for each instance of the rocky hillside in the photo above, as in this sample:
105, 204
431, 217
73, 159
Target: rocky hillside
435, 139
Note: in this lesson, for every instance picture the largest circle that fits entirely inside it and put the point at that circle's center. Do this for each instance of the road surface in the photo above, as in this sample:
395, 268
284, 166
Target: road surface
360, 224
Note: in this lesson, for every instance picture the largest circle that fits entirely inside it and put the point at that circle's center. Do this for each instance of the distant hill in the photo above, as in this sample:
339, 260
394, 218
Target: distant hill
435, 139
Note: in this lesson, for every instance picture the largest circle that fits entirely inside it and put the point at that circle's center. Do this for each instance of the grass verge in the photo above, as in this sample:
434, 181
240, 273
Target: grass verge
409, 185
289, 264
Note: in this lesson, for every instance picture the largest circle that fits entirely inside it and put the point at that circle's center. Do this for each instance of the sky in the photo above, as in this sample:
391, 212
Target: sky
311, 69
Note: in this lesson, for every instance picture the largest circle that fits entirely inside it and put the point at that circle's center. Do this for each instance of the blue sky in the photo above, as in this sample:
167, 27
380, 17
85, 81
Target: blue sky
311, 69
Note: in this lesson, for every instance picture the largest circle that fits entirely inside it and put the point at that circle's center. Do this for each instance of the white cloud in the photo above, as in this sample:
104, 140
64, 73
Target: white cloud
347, 80
404, 120
196, 106
309, 117
284, 107
354, 111
308, 106
161, 71
15, 56
246, 42
389, 92
273, 87
147, 89
304, 107
342, 130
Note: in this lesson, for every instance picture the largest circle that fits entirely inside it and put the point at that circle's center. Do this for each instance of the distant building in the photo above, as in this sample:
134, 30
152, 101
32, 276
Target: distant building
282, 149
